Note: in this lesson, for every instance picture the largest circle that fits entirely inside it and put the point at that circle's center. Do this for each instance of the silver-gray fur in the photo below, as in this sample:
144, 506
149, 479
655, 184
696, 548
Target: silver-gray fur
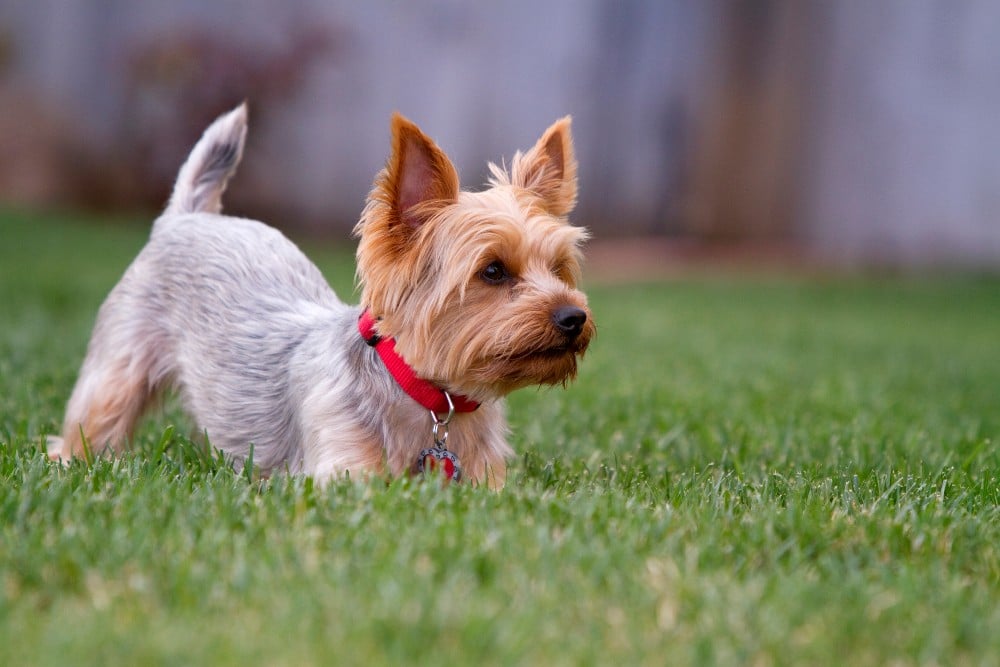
233, 316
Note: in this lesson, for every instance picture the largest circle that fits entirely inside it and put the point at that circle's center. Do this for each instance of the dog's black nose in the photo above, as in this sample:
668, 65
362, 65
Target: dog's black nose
569, 320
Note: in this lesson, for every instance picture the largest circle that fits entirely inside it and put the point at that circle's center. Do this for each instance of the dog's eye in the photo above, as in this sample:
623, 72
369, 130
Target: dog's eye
495, 273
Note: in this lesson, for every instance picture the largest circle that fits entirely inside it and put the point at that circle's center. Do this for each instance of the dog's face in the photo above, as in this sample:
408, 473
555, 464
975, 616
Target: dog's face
478, 288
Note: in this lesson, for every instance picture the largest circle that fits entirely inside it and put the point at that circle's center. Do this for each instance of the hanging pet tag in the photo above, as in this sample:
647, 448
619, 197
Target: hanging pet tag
439, 458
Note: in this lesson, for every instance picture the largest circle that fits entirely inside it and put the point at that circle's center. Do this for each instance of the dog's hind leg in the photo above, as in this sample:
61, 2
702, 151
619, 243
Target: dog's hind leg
119, 377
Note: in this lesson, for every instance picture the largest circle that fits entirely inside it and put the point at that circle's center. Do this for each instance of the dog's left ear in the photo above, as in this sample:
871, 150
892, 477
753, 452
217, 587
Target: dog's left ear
420, 179
549, 169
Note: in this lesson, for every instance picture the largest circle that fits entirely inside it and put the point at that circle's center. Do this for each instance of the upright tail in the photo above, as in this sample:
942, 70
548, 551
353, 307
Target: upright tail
204, 175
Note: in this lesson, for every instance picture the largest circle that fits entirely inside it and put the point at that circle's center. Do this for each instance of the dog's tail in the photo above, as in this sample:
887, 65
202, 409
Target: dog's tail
205, 173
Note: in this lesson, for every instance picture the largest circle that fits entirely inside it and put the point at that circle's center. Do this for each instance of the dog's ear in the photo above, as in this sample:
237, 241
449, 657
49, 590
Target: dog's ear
549, 169
419, 179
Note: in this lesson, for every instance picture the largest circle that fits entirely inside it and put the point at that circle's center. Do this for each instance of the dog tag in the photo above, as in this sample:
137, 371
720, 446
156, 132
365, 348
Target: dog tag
440, 459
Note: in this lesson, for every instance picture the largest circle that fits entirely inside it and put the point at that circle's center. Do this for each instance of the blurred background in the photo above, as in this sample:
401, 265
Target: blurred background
858, 132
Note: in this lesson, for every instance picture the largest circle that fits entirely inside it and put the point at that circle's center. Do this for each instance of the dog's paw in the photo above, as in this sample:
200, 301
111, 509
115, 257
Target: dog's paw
54, 446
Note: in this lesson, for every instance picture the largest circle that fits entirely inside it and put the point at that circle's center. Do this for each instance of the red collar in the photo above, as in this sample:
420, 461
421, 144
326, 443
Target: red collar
423, 392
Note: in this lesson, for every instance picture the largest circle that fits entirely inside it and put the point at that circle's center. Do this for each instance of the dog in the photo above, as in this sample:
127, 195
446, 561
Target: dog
465, 297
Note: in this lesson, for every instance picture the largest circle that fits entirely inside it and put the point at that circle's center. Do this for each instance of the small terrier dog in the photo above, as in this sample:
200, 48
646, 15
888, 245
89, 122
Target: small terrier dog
465, 297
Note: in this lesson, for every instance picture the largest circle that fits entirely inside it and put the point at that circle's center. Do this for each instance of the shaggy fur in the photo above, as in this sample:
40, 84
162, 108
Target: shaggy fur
478, 289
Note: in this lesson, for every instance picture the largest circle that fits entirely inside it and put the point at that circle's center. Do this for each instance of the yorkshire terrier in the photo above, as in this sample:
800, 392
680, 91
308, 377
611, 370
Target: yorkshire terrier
465, 297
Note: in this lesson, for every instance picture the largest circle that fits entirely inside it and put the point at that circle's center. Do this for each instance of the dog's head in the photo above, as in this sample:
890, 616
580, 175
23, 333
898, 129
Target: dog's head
479, 289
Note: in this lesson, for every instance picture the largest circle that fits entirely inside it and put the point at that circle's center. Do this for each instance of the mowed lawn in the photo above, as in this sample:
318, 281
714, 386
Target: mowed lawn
761, 471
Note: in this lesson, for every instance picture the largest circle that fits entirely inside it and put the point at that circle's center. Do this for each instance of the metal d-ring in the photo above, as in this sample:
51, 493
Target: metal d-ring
440, 428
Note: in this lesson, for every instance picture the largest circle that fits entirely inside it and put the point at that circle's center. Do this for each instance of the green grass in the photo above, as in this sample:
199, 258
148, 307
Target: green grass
780, 471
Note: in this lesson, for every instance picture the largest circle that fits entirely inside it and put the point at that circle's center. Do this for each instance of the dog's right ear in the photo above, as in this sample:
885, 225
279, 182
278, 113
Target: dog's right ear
419, 178
549, 169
